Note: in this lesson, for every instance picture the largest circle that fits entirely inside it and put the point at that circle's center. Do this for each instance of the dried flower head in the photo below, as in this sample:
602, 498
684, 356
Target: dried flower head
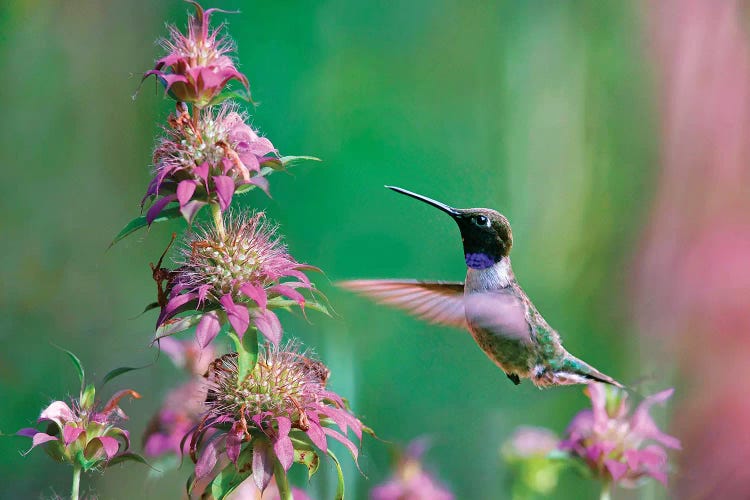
611, 442
236, 277
206, 159
410, 480
197, 66
83, 434
283, 397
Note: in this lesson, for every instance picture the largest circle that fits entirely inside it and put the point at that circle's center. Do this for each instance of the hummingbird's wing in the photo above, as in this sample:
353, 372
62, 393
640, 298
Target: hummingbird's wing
435, 301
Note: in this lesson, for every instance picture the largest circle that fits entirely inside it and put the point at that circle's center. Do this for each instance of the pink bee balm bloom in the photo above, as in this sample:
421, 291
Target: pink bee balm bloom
197, 67
410, 481
283, 404
183, 407
610, 440
83, 433
206, 159
236, 277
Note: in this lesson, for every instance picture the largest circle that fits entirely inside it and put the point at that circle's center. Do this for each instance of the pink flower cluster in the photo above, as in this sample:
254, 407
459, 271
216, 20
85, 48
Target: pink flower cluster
616, 445
197, 67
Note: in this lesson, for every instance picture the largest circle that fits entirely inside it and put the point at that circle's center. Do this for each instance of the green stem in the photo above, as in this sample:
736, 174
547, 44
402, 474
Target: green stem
218, 220
76, 482
247, 352
606, 493
282, 482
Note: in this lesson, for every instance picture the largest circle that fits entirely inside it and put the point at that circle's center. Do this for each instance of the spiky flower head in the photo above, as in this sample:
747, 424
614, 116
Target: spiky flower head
612, 442
207, 158
235, 275
83, 433
281, 409
197, 67
410, 480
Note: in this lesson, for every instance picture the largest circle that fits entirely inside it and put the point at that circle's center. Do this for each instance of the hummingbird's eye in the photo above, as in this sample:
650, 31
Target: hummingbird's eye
481, 220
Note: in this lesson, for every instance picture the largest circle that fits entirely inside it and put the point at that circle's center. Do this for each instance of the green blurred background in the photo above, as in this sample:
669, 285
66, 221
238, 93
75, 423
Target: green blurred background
542, 110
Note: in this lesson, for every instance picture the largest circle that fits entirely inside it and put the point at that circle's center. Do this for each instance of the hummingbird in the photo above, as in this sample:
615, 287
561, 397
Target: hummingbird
490, 304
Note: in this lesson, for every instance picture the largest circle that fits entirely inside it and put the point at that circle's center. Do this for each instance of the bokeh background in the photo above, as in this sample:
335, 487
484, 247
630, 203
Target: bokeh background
612, 134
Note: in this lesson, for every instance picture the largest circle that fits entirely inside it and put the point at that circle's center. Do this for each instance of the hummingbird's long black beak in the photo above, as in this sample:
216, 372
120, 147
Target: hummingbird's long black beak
442, 206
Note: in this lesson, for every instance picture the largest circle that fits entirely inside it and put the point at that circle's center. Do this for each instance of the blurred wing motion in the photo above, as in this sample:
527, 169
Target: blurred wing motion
439, 302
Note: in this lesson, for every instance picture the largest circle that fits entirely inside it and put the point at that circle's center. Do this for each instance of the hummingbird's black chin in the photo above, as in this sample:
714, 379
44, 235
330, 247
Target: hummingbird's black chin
442, 206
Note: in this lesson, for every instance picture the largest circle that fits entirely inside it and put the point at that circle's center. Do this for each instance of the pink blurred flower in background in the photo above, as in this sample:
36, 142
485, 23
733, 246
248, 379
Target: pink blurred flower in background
409, 480
183, 406
692, 277
618, 446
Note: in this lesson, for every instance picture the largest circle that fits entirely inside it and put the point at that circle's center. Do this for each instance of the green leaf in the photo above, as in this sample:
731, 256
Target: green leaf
117, 372
247, 351
308, 458
163, 464
288, 161
128, 457
227, 481
178, 326
76, 363
240, 93
140, 222
340, 473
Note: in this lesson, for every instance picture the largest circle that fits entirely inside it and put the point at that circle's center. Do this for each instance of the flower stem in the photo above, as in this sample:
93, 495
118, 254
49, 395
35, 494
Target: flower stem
218, 220
76, 482
606, 493
282, 483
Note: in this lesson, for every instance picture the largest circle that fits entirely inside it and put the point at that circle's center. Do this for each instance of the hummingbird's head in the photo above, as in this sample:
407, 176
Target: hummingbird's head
486, 233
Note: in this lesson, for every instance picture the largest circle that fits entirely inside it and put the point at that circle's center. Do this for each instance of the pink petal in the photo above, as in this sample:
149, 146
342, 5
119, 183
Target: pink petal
283, 446
289, 292
37, 438
616, 469
191, 209
207, 329
256, 293
343, 440
71, 433
173, 305
317, 436
262, 464
225, 190
110, 445
206, 461
185, 190
58, 412
237, 314
158, 206
234, 442
261, 182
269, 325
202, 170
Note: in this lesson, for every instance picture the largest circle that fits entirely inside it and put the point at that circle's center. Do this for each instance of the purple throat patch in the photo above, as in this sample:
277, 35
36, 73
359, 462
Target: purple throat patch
479, 260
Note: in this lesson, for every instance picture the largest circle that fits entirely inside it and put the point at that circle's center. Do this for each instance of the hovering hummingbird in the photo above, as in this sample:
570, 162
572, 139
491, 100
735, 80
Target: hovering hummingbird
490, 304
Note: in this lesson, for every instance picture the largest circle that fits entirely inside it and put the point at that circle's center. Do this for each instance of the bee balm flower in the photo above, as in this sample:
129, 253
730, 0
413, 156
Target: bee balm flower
282, 405
206, 159
197, 67
236, 277
610, 441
